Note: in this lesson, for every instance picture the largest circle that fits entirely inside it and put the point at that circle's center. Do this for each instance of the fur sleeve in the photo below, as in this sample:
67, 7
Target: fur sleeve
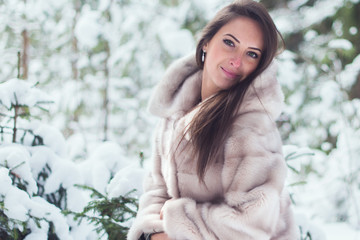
151, 202
253, 204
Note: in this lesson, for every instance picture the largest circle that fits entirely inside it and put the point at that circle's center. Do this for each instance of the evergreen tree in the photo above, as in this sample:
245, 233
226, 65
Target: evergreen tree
319, 72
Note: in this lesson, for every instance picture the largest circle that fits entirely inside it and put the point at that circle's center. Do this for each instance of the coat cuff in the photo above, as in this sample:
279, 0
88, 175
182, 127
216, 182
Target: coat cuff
177, 219
145, 224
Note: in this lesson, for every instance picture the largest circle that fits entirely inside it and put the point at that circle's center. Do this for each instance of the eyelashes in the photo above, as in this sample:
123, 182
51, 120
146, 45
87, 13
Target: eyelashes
230, 43
253, 54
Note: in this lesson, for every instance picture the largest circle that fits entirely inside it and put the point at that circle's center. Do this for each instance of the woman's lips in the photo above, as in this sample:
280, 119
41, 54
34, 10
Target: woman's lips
229, 74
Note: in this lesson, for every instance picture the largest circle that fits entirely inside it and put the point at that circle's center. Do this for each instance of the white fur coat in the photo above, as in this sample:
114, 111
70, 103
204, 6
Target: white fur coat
243, 194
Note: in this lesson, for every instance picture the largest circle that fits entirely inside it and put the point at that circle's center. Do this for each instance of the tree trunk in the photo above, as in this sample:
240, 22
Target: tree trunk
16, 115
107, 81
25, 54
74, 43
106, 92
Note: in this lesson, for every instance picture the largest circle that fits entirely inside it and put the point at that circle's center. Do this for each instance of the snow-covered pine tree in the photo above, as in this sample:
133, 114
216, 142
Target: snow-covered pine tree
319, 72
107, 214
39, 183
20, 191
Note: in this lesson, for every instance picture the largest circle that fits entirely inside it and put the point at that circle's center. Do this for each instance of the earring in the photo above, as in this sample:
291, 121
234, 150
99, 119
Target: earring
203, 56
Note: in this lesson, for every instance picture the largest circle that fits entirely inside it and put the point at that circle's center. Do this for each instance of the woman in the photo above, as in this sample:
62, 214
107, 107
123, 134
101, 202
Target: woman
218, 167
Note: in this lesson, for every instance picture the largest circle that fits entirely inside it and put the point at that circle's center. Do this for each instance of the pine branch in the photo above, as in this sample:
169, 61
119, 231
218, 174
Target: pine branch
4, 115
293, 169
42, 108
106, 214
44, 102
94, 191
297, 183
22, 163
307, 235
293, 155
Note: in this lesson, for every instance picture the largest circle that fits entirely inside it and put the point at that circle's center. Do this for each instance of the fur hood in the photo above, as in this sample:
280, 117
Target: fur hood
179, 91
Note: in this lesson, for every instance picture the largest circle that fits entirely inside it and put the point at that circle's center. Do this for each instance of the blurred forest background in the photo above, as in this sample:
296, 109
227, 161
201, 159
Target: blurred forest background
98, 61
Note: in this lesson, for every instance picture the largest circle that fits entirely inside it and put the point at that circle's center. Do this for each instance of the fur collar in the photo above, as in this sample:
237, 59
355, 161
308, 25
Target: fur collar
179, 91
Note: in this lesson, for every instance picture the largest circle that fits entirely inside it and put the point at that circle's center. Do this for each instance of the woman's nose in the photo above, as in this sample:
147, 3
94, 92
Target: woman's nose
236, 62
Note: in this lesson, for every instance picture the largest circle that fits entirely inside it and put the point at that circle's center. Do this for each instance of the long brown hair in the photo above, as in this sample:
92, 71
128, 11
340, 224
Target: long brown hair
211, 125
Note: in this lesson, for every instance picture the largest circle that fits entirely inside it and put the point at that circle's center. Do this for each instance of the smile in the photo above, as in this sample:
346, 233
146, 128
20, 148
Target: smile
229, 74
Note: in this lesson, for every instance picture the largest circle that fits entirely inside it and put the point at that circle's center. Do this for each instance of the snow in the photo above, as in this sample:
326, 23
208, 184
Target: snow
88, 28
348, 76
295, 4
20, 92
172, 37
40, 157
171, 41
36, 235
306, 226
76, 200
104, 5
5, 181
353, 30
54, 215
312, 15
51, 137
287, 72
21, 206
336, 231
76, 145
61, 170
126, 180
15, 204
304, 17
99, 176
341, 43
328, 92
16, 158
311, 34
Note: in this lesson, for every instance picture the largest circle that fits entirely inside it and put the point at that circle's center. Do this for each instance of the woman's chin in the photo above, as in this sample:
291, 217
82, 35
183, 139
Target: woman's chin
227, 84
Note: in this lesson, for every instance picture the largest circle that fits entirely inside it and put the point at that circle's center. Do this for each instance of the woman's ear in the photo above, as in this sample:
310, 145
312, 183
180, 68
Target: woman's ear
204, 48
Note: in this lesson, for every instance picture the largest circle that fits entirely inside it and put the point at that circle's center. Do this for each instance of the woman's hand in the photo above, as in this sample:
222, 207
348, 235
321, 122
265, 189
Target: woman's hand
159, 236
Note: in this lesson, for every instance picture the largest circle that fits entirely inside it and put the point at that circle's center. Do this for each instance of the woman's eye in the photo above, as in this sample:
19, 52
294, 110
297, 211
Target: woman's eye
253, 54
229, 42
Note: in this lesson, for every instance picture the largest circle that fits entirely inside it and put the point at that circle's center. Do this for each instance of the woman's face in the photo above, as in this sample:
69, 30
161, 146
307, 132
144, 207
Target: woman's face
231, 55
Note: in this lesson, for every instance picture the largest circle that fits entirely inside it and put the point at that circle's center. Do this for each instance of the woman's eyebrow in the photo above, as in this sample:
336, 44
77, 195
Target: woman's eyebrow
232, 36
254, 48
